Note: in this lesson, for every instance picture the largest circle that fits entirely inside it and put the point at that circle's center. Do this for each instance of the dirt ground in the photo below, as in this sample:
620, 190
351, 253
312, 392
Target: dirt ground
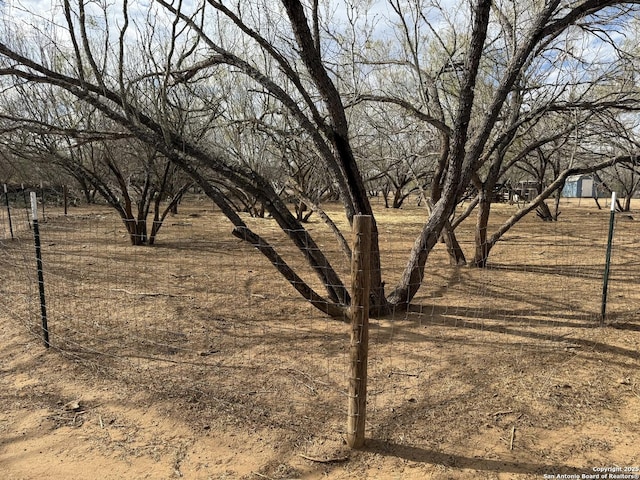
193, 359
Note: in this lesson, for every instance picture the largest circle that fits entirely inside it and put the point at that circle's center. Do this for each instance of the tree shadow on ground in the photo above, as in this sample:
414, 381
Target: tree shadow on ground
421, 455
478, 324
593, 272
521, 316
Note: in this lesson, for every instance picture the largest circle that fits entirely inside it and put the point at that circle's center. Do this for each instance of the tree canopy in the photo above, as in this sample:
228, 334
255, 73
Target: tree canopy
241, 97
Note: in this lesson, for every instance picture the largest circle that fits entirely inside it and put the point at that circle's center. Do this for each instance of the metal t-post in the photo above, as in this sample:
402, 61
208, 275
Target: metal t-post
36, 237
605, 282
6, 200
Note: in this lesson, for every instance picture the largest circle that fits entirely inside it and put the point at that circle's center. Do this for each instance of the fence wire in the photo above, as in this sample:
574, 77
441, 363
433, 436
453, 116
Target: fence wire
203, 318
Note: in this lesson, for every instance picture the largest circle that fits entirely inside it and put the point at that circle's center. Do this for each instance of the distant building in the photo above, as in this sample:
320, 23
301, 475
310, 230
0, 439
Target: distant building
526, 190
582, 186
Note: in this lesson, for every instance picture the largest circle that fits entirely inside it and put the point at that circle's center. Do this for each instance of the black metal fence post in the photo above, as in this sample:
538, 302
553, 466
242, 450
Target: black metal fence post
6, 201
42, 197
26, 203
36, 236
605, 282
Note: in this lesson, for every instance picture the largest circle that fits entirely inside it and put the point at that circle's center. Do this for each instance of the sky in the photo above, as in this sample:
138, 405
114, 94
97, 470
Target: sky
379, 16
376, 9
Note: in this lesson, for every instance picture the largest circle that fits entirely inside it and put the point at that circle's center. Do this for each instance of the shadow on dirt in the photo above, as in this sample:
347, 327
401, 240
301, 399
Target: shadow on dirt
517, 319
420, 455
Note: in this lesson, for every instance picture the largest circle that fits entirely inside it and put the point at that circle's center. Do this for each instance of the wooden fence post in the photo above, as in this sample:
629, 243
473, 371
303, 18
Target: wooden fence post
359, 348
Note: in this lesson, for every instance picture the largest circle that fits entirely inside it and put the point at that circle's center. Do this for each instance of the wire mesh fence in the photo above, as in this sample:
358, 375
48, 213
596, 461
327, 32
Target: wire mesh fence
198, 317
203, 319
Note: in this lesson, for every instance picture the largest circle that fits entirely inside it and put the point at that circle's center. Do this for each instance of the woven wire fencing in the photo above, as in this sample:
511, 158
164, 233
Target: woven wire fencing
203, 319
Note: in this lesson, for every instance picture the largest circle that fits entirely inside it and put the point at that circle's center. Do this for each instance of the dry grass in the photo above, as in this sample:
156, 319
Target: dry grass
494, 373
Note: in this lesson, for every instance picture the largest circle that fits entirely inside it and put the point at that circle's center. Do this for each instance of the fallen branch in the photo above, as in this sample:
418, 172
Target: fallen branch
324, 460
406, 374
147, 294
504, 412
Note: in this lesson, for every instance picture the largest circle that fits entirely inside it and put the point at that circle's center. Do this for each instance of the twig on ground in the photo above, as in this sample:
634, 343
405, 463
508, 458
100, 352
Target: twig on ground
147, 294
324, 460
497, 414
406, 374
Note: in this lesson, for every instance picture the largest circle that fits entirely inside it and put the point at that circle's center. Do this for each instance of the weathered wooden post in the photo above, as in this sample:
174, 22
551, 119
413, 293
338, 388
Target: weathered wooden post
359, 349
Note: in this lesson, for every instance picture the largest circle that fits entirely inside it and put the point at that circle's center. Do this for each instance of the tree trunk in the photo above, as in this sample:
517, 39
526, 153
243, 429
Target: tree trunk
385, 194
556, 204
413, 274
157, 223
398, 198
482, 224
456, 255
142, 231
302, 213
544, 212
137, 231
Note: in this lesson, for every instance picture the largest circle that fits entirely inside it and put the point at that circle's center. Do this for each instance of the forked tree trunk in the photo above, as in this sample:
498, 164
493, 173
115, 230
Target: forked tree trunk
303, 212
544, 212
158, 218
413, 273
399, 197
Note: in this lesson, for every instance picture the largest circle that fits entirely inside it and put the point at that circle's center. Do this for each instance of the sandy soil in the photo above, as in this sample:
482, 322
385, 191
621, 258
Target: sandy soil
193, 359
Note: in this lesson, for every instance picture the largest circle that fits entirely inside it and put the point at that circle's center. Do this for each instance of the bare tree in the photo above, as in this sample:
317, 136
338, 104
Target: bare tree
129, 175
552, 83
169, 89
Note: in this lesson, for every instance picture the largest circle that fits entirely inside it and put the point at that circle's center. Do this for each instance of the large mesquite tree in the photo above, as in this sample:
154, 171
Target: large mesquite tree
562, 91
167, 75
